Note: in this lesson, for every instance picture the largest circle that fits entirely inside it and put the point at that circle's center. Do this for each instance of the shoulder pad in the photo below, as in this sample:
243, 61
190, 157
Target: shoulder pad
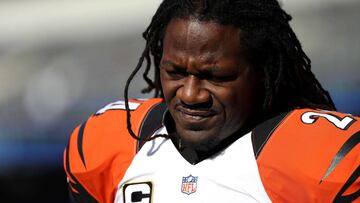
315, 153
100, 150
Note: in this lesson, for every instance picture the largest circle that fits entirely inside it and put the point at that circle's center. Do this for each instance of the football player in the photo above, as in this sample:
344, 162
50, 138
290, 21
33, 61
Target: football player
238, 116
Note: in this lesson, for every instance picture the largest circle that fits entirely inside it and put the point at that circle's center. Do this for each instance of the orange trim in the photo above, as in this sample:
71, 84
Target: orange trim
72, 189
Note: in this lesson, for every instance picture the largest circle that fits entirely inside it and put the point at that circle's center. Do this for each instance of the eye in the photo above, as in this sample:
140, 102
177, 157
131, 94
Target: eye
176, 74
220, 80
173, 71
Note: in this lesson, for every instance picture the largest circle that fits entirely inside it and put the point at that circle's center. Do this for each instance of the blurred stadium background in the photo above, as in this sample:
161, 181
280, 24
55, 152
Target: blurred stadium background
60, 61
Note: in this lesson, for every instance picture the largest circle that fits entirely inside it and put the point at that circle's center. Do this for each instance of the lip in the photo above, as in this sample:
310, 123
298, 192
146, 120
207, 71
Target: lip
191, 116
199, 113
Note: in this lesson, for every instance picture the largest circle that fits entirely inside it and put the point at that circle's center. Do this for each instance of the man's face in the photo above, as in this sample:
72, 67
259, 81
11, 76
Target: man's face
206, 79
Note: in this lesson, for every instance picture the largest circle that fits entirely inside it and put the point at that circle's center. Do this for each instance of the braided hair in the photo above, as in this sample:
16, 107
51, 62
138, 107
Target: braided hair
265, 33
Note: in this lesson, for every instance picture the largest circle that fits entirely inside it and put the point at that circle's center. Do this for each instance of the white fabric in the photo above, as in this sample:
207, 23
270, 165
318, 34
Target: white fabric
118, 105
231, 176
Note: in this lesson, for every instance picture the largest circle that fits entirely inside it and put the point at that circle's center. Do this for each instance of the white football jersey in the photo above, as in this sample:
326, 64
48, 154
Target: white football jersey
160, 174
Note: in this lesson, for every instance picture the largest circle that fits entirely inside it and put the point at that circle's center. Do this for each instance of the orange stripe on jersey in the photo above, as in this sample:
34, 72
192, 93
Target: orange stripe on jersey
312, 156
101, 150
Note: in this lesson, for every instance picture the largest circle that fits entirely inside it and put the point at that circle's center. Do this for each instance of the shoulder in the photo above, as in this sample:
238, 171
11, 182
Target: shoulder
306, 123
100, 150
311, 151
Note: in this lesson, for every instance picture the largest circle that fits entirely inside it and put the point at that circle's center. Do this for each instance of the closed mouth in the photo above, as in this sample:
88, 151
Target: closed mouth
196, 113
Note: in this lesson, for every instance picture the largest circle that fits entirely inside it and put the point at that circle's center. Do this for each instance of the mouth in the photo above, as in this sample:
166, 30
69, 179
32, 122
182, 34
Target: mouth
195, 116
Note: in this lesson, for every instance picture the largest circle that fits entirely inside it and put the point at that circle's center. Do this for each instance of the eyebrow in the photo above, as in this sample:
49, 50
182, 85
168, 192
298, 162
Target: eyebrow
212, 69
167, 62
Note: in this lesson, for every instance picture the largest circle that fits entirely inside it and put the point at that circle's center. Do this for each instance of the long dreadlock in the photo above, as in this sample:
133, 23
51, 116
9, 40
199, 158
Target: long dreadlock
266, 34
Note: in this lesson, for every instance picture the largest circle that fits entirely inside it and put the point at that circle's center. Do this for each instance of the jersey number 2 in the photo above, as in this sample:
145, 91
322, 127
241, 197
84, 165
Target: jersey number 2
342, 123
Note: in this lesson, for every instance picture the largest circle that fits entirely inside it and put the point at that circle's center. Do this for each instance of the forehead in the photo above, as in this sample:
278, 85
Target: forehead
193, 35
192, 25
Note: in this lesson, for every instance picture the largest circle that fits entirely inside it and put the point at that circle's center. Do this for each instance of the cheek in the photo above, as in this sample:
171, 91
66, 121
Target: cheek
168, 87
237, 101
164, 85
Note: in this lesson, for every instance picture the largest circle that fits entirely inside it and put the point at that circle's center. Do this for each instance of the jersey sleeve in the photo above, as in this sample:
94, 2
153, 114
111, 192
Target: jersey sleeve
310, 156
100, 150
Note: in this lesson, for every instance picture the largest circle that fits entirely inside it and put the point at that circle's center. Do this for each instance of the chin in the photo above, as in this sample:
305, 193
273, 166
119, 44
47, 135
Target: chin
200, 140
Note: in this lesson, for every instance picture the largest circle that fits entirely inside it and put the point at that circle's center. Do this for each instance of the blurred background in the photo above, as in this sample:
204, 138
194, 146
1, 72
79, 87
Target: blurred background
61, 61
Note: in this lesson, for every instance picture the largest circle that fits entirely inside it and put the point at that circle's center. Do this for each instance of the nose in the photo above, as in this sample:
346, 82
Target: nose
192, 92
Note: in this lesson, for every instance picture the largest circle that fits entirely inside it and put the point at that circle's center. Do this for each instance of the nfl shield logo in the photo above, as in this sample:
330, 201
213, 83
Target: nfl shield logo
189, 184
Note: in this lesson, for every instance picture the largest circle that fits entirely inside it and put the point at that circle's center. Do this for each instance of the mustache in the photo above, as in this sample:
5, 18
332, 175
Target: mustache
204, 106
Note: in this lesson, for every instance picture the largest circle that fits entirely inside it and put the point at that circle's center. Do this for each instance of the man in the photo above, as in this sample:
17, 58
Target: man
245, 119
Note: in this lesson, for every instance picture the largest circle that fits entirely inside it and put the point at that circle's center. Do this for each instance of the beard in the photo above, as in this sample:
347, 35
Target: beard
203, 146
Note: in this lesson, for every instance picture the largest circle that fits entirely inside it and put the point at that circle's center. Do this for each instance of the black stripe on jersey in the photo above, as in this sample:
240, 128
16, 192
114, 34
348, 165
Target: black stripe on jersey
151, 122
82, 196
261, 134
344, 150
352, 197
80, 143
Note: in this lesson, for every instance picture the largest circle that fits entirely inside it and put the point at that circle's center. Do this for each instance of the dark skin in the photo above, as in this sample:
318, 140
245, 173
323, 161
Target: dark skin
210, 87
